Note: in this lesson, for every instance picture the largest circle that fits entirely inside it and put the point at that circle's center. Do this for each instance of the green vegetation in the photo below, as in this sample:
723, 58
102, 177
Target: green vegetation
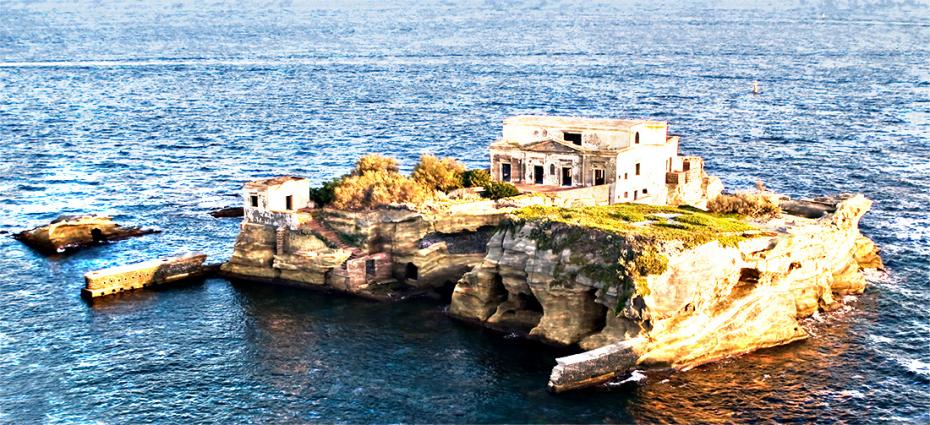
476, 178
324, 195
376, 182
498, 190
439, 174
691, 226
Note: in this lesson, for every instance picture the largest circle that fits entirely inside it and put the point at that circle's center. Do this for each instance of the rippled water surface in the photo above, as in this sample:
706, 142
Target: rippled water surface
157, 113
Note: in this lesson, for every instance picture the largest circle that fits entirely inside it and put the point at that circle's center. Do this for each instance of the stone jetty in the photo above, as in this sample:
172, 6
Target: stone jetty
140, 275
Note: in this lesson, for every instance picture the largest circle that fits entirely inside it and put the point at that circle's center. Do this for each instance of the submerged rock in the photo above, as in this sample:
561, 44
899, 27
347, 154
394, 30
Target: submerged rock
228, 212
74, 232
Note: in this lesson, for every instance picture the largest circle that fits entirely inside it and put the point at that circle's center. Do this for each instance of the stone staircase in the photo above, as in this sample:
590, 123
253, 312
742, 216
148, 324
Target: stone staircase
331, 237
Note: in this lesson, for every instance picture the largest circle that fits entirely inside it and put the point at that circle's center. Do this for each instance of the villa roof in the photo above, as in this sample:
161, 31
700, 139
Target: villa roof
580, 123
274, 181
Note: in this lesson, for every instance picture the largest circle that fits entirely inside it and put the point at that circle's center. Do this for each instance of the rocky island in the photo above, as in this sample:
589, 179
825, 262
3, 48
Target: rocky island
583, 232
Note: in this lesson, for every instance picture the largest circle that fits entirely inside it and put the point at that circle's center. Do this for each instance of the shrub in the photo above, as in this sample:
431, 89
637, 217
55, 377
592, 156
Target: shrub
441, 174
375, 163
373, 189
476, 178
498, 190
323, 195
751, 205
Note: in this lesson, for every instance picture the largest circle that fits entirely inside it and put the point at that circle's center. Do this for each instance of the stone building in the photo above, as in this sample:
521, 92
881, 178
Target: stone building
635, 158
285, 193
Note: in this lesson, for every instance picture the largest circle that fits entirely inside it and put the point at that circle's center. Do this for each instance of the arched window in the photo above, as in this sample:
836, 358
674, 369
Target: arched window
636, 138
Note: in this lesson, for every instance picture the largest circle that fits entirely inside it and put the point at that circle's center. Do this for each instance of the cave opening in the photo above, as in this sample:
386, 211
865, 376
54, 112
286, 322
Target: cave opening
529, 302
749, 276
97, 235
498, 290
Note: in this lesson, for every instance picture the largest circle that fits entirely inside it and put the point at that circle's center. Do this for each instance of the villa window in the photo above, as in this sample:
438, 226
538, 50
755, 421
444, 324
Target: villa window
637, 169
636, 138
253, 200
551, 169
574, 138
626, 195
645, 191
288, 202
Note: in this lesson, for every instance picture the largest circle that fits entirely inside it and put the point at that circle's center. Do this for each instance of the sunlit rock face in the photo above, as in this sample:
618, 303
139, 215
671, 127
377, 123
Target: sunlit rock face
555, 283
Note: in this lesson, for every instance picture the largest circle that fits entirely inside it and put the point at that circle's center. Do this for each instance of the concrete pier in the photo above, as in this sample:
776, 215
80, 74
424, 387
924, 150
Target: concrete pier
134, 276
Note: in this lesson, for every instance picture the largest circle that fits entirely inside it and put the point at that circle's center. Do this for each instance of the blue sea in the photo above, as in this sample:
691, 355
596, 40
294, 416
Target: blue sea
157, 112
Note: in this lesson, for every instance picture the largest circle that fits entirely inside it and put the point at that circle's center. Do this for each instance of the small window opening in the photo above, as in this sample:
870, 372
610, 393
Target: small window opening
552, 169
637, 169
505, 172
636, 138
369, 267
626, 176
253, 200
574, 138
289, 202
635, 195
686, 166
645, 191
626, 195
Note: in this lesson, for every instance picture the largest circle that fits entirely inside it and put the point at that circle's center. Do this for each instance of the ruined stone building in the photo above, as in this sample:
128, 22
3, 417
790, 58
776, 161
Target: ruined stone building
638, 159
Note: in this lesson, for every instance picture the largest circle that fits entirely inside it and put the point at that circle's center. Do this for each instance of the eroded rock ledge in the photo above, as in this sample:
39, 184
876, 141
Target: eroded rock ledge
73, 232
644, 298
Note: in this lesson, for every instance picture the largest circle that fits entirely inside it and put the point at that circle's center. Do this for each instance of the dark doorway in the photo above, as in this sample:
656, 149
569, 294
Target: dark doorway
97, 236
538, 173
635, 195
505, 172
288, 202
573, 138
599, 177
566, 176
411, 272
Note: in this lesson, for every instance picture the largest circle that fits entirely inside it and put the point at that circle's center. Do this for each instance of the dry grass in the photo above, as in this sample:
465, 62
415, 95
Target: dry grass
754, 205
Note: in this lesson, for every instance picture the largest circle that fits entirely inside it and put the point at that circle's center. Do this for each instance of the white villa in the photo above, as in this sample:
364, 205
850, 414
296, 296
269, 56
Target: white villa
637, 158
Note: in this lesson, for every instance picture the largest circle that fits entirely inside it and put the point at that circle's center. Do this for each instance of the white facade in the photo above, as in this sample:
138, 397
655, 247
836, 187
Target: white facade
634, 156
280, 194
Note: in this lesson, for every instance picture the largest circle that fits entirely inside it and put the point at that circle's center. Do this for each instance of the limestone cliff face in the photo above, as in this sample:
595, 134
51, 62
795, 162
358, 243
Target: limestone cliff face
568, 286
333, 248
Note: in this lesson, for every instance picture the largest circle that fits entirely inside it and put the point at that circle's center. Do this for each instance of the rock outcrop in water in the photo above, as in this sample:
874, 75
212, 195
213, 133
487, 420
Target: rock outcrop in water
74, 232
640, 294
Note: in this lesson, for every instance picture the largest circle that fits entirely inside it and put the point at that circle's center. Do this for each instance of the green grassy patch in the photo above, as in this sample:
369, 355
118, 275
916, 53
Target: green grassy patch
690, 225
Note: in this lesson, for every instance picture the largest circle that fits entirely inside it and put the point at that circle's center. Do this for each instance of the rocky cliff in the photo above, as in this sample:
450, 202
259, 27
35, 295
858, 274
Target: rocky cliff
662, 286
363, 252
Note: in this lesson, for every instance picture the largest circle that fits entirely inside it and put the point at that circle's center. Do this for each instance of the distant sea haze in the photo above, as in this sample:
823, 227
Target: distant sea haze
157, 113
